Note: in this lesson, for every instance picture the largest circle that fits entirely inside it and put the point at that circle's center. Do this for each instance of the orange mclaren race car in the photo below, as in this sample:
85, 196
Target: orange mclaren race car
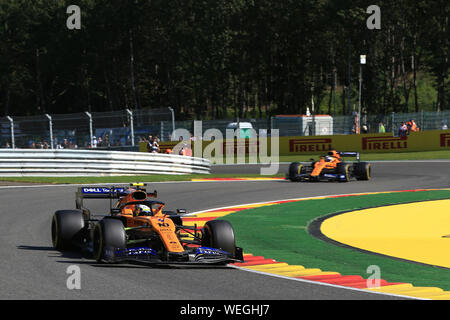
137, 228
330, 167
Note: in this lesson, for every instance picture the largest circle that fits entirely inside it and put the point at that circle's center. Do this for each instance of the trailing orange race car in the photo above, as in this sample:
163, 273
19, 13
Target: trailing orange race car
330, 167
138, 228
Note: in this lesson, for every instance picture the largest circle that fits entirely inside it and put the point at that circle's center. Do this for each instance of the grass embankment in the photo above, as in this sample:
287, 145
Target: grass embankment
281, 232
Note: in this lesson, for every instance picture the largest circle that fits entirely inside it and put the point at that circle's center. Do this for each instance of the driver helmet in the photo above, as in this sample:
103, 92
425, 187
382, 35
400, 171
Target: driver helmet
141, 210
333, 153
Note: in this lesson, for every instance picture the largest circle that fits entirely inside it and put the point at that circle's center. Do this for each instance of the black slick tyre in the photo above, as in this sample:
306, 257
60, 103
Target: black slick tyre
109, 234
66, 228
343, 169
363, 171
295, 169
219, 234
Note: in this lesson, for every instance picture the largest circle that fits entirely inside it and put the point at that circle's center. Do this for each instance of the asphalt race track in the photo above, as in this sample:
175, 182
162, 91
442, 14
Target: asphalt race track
32, 269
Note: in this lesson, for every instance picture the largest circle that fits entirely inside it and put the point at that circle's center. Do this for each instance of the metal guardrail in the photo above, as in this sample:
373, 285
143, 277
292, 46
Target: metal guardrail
26, 162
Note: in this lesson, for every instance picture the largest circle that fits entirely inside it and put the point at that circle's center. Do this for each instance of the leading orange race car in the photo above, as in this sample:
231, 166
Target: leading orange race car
330, 161
330, 167
138, 228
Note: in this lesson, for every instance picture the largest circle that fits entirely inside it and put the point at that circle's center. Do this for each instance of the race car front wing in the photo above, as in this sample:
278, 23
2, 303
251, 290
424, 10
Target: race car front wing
201, 255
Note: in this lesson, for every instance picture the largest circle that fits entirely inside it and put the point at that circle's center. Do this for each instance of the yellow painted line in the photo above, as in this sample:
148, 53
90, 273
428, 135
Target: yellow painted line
422, 290
254, 206
192, 223
262, 179
240, 179
265, 267
441, 297
392, 288
211, 214
284, 268
323, 273
305, 272
412, 231
287, 270
429, 295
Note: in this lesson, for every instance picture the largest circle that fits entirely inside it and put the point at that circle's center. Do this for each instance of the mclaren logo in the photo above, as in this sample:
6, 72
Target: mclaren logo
384, 143
445, 140
309, 145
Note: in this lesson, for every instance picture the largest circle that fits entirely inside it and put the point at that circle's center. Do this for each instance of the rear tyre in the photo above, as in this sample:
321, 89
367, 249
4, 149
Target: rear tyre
67, 226
295, 169
219, 234
343, 169
362, 171
109, 235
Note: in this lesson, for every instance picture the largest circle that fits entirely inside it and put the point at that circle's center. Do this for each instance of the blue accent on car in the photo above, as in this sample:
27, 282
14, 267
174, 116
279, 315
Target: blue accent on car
136, 252
210, 251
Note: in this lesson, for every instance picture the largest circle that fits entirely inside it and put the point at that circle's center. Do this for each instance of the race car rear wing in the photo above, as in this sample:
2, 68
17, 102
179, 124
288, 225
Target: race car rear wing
349, 154
104, 192
99, 192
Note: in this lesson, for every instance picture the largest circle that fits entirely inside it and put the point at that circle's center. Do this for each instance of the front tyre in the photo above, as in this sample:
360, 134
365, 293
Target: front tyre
343, 169
109, 235
362, 171
295, 170
219, 234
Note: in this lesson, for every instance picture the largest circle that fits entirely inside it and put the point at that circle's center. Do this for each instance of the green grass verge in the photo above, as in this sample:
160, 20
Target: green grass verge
280, 232
126, 179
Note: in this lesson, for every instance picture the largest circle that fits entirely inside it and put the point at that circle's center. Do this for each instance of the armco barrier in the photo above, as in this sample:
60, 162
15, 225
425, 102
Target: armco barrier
26, 162
433, 140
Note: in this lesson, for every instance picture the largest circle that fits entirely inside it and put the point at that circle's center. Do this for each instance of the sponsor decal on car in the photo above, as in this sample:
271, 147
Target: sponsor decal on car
101, 190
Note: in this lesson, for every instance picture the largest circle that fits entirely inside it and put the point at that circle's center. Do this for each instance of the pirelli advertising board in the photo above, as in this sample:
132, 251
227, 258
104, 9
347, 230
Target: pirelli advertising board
364, 143
367, 143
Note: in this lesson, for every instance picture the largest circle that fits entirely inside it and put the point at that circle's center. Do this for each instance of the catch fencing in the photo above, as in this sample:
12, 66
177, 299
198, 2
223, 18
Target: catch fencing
125, 129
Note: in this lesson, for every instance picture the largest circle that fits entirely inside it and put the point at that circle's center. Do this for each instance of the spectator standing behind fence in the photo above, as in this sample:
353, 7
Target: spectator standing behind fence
149, 142
381, 128
155, 145
444, 125
94, 142
403, 130
412, 126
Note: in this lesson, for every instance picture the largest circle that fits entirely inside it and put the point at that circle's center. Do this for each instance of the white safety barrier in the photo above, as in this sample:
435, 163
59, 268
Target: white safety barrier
64, 162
